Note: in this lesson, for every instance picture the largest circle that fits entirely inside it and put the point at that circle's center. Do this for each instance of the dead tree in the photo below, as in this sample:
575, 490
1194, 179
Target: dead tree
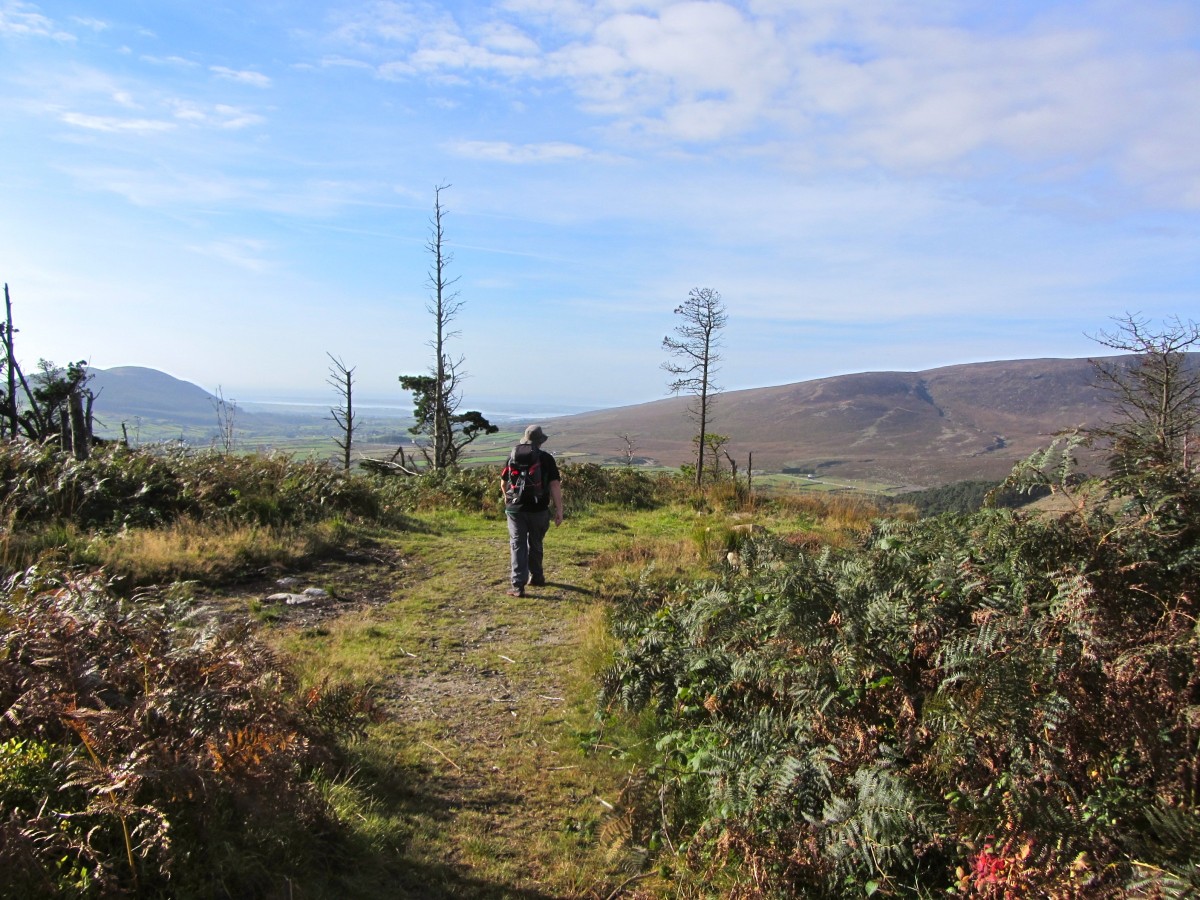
226, 411
630, 447
10, 360
341, 379
36, 423
436, 395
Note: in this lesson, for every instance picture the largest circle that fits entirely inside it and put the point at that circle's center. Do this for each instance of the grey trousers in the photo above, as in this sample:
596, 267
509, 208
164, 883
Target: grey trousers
525, 533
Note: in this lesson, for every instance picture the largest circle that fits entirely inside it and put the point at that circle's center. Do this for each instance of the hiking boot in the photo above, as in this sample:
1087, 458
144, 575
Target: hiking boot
515, 592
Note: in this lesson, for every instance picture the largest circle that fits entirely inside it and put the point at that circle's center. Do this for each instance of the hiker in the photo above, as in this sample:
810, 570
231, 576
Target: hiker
531, 485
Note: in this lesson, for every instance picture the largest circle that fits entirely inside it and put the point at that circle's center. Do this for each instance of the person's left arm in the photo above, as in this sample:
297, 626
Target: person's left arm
556, 500
555, 488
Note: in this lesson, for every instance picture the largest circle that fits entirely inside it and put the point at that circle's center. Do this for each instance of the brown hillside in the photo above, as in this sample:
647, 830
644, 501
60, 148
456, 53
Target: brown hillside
905, 428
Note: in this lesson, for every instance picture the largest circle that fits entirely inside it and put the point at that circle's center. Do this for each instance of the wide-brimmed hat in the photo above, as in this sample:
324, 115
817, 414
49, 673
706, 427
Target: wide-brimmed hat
534, 435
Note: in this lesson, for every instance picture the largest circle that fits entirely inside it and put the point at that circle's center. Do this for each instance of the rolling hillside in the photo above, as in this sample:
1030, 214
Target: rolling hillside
917, 428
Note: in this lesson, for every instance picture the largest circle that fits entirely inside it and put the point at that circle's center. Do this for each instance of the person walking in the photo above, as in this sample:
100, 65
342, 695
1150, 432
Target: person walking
531, 485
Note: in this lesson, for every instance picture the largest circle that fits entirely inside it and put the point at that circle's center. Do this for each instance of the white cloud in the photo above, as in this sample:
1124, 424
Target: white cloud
112, 124
1056, 90
217, 115
93, 24
387, 22
22, 20
507, 39
254, 79
335, 62
178, 61
500, 151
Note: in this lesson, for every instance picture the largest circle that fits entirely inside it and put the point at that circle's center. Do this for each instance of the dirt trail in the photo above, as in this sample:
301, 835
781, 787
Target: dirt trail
483, 695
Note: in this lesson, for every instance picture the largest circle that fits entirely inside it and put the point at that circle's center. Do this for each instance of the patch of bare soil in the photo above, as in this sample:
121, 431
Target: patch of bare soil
306, 596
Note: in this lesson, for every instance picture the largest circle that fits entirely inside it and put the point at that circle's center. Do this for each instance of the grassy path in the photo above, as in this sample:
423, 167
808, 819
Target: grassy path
476, 786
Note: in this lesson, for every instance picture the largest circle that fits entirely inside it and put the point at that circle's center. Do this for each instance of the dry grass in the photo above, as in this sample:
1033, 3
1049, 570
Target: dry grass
839, 510
661, 561
208, 551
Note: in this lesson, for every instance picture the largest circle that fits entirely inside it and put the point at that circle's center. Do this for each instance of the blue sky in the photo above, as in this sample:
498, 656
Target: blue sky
230, 191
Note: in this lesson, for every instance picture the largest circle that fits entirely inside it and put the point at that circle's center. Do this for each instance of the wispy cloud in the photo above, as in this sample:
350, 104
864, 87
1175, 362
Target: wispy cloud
254, 79
216, 115
113, 124
23, 20
90, 23
89, 98
387, 22
861, 86
500, 151
177, 61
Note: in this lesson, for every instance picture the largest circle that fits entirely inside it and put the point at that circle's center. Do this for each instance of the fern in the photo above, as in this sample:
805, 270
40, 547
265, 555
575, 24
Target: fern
877, 826
989, 701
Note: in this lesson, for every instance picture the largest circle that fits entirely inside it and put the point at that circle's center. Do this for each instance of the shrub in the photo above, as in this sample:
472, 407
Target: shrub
118, 486
964, 497
143, 747
995, 704
589, 484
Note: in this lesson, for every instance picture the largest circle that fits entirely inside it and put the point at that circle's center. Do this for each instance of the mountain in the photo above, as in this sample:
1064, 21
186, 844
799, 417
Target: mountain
906, 428
129, 393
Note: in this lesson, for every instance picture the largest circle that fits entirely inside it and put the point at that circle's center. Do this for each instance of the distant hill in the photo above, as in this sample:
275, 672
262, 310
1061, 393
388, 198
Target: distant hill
910, 428
918, 429
131, 393
154, 406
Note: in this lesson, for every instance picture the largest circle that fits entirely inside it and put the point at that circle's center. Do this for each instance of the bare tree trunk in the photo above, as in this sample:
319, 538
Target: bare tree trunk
226, 413
342, 379
10, 411
80, 445
89, 401
40, 428
703, 419
444, 305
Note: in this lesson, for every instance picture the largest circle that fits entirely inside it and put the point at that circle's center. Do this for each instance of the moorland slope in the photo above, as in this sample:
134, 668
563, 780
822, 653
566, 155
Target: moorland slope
920, 428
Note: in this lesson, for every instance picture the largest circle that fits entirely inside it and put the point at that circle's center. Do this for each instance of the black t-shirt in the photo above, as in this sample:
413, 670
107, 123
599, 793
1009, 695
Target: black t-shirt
549, 473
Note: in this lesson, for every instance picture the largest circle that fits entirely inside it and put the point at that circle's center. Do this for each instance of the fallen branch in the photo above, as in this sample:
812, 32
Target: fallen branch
385, 467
